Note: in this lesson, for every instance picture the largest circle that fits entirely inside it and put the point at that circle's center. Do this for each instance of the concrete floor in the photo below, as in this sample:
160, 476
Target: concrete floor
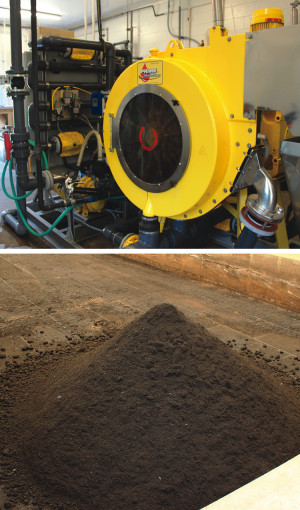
48, 299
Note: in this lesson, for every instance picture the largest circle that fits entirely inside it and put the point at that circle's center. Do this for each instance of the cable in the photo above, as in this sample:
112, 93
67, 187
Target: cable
82, 90
52, 100
82, 222
86, 120
177, 36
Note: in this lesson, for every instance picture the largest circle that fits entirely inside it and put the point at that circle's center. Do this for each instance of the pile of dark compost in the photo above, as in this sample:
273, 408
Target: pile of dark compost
163, 416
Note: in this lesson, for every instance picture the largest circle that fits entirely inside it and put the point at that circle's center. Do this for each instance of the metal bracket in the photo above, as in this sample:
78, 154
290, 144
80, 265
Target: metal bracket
263, 205
14, 91
113, 133
248, 169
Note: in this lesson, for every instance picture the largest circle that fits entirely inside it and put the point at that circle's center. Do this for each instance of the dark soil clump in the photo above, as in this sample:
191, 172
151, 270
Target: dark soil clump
164, 416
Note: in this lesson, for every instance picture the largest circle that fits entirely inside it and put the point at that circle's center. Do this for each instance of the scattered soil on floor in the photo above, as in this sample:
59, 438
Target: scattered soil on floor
162, 416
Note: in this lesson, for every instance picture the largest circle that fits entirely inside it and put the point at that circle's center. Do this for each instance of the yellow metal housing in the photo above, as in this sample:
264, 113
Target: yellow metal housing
82, 54
85, 209
275, 128
69, 143
208, 85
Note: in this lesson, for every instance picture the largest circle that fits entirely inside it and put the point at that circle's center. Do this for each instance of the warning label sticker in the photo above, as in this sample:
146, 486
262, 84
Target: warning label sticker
150, 72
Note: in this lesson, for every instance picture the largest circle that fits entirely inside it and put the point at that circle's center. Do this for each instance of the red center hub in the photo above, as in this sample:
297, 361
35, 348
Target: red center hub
145, 147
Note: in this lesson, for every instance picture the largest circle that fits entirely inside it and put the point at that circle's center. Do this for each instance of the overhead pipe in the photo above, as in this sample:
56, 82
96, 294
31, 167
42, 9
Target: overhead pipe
175, 35
179, 23
156, 14
218, 18
294, 16
119, 43
85, 17
99, 20
130, 29
93, 20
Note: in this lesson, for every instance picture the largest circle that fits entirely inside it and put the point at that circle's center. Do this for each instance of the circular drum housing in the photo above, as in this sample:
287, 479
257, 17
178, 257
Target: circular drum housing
152, 138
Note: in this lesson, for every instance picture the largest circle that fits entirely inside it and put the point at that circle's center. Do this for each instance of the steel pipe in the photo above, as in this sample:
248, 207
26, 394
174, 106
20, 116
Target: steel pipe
218, 18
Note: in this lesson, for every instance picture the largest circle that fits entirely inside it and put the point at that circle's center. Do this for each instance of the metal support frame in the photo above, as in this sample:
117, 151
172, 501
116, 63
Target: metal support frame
69, 235
281, 232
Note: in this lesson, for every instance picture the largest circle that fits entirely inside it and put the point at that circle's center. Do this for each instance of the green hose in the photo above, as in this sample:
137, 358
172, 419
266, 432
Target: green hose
16, 199
22, 216
3, 184
32, 143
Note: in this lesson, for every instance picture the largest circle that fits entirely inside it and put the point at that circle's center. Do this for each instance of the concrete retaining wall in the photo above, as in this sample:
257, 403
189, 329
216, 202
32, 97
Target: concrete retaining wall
271, 278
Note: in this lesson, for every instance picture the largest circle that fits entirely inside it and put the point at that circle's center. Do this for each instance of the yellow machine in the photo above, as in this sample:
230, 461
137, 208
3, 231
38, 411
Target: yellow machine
174, 130
177, 131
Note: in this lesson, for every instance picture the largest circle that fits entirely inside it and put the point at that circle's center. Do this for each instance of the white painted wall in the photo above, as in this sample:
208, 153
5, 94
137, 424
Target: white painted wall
150, 31
5, 58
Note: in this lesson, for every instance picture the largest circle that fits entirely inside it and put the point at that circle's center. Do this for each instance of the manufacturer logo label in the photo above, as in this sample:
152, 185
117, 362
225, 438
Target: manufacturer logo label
150, 72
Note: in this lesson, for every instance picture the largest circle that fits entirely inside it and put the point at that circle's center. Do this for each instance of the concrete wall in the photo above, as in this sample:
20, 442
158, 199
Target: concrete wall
270, 278
151, 31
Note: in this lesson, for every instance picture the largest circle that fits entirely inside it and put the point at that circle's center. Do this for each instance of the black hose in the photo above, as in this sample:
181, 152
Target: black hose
247, 239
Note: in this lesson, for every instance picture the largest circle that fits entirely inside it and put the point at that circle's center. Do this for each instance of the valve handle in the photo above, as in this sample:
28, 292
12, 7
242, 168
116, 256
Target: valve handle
7, 145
